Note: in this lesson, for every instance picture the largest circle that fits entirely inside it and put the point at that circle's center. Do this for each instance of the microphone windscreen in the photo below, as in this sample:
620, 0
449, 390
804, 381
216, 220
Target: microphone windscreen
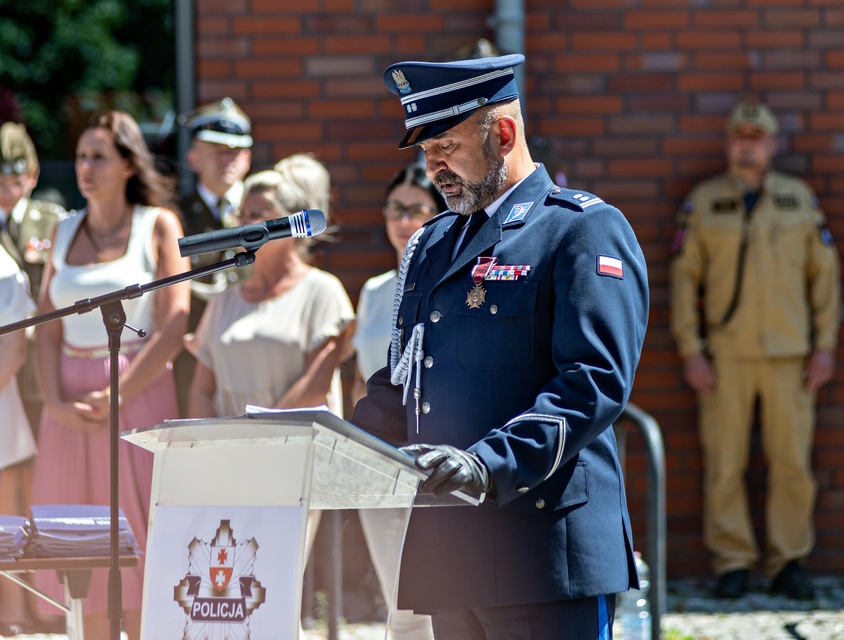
316, 221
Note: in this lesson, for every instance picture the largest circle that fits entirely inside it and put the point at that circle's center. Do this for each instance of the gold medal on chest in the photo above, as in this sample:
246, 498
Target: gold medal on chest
476, 296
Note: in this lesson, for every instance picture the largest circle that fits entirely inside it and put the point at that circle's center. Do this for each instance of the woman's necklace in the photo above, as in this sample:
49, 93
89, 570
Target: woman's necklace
106, 238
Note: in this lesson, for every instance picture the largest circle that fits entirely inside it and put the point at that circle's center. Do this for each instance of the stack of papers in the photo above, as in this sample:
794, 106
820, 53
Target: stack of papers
76, 531
14, 533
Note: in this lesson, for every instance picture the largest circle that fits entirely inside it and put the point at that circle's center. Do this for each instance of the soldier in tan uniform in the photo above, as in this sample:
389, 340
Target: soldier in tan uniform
755, 313
26, 227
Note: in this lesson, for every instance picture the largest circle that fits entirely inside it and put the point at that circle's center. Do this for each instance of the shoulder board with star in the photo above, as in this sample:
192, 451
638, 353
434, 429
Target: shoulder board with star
573, 199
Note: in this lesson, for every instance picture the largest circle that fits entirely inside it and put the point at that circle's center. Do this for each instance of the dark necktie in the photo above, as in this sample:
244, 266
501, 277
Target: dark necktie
7, 241
475, 222
225, 213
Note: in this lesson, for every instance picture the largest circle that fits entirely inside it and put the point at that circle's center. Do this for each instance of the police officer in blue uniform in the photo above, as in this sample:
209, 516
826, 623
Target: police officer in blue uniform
515, 342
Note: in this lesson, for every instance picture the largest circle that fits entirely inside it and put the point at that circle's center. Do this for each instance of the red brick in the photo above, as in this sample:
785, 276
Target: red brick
828, 164
214, 68
232, 7
834, 59
775, 39
361, 45
640, 167
276, 7
794, 19
291, 131
345, 109
791, 59
589, 104
656, 20
731, 60
806, 143
285, 46
763, 80
579, 63
545, 43
596, 40
652, 41
244, 26
729, 19
709, 40
338, 6
711, 82
207, 26
409, 23
573, 127
656, 82
342, 66
288, 88
274, 68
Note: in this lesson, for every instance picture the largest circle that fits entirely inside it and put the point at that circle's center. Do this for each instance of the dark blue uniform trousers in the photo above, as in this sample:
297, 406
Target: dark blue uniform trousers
583, 619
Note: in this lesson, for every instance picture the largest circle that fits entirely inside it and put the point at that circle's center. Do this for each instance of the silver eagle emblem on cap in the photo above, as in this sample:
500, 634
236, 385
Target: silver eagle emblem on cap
401, 82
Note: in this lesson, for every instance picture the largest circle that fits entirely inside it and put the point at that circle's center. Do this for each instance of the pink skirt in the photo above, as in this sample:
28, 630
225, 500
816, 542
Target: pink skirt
73, 468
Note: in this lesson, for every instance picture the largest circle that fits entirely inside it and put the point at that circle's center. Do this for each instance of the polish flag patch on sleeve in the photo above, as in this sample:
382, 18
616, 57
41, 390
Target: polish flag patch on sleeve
608, 266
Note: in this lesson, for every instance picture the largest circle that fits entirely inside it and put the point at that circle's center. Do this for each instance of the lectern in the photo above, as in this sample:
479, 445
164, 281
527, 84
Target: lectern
228, 517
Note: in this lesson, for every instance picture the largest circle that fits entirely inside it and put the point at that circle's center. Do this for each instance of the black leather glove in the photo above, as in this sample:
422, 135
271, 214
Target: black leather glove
452, 469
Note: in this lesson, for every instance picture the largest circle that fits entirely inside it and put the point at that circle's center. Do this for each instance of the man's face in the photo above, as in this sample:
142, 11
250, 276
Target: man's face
749, 147
465, 165
218, 166
15, 187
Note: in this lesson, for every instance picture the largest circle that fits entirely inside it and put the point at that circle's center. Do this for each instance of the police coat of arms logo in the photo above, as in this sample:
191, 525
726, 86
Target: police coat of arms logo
220, 588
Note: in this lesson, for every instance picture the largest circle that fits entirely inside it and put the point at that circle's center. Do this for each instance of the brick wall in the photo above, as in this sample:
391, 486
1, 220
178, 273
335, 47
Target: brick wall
630, 94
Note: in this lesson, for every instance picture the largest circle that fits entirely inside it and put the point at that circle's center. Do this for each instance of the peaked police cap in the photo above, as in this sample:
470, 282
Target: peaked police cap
221, 122
437, 96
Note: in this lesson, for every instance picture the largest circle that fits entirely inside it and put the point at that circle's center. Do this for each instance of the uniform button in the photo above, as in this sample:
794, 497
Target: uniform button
401, 320
429, 362
493, 309
435, 316
556, 191
522, 490
540, 504
426, 407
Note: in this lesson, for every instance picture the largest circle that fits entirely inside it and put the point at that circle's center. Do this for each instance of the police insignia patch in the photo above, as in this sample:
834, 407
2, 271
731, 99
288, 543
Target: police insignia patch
518, 212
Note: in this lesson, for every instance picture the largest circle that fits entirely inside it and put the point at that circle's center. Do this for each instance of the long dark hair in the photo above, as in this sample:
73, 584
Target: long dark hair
146, 186
414, 175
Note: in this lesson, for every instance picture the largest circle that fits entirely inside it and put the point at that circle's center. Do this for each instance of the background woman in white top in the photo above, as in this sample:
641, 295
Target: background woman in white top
124, 236
411, 200
16, 441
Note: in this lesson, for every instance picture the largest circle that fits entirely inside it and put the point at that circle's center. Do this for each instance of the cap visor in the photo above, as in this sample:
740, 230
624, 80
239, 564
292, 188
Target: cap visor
428, 131
230, 140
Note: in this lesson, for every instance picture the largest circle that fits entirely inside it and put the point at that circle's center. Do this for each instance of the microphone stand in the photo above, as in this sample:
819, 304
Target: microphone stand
114, 319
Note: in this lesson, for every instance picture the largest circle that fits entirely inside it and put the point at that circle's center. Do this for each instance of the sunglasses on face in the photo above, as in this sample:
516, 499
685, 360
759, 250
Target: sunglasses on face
419, 212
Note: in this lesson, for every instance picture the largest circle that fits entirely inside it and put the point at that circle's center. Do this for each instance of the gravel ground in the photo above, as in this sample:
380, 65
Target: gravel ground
693, 614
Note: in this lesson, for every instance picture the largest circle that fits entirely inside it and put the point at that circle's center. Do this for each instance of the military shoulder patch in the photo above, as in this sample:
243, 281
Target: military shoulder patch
825, 235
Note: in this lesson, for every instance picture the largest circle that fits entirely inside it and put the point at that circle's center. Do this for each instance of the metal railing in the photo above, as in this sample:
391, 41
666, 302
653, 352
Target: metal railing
655, 509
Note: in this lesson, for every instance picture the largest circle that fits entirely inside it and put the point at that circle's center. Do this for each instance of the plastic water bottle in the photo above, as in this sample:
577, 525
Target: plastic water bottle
633, 609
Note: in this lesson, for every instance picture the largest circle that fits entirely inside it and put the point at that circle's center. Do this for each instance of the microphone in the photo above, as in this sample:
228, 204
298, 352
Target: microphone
304, 224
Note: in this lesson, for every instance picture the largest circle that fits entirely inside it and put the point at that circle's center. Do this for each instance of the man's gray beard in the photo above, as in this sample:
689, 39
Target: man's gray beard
476, 195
